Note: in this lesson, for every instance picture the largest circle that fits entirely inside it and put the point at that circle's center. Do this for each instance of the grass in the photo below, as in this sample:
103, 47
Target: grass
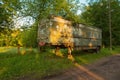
14, 66
88, 57
35, 65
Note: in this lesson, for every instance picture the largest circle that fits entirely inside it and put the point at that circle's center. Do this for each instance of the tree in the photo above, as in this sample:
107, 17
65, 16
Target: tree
8, 10
37, 9
96, 14
29, 37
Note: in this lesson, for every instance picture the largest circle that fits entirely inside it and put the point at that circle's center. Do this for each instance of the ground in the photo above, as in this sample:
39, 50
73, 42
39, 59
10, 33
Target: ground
104, 69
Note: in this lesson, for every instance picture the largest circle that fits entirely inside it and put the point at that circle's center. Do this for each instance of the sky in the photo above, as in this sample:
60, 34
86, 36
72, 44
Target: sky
23, 21
82, 2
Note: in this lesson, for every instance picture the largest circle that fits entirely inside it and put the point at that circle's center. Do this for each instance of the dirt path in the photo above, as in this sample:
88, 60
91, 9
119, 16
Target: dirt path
104, 69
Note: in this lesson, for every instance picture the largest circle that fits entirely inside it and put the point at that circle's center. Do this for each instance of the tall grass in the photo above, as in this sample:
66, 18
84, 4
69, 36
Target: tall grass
30, 65
35, 65
88, 57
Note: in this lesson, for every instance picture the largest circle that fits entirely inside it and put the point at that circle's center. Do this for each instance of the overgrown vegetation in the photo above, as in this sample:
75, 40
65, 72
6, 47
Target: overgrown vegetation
31, 65
96, 14
36, 65
88, 57
13, 12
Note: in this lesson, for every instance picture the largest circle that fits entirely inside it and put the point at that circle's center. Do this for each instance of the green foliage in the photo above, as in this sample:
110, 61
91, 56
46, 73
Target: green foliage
9, 37
29, 37
37, 9
34, 65
96, 14
31, 65
40, 9
87, 57
8, 10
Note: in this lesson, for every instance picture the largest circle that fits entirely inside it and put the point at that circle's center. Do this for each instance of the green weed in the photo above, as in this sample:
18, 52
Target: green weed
36, 64
86, 57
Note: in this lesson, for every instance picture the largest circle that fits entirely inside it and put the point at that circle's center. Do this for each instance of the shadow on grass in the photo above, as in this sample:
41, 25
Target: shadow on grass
10, 52
87, 57
82, 52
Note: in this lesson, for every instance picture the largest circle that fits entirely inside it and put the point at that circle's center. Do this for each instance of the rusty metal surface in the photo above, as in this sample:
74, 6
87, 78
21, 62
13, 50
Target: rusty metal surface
58, 31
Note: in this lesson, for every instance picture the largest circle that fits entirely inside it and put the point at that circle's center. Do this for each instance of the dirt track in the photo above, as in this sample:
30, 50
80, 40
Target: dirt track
104, 69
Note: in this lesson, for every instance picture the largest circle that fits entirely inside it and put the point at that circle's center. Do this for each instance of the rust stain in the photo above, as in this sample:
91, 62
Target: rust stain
61, 32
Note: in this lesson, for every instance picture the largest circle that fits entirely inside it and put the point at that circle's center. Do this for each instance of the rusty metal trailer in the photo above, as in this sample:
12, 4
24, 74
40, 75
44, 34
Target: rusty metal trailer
59, 32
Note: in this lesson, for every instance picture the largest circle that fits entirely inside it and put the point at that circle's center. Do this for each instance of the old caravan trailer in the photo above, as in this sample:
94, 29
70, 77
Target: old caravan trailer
59, 32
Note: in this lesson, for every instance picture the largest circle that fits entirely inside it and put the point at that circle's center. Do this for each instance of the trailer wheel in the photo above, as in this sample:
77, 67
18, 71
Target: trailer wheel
97, 49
